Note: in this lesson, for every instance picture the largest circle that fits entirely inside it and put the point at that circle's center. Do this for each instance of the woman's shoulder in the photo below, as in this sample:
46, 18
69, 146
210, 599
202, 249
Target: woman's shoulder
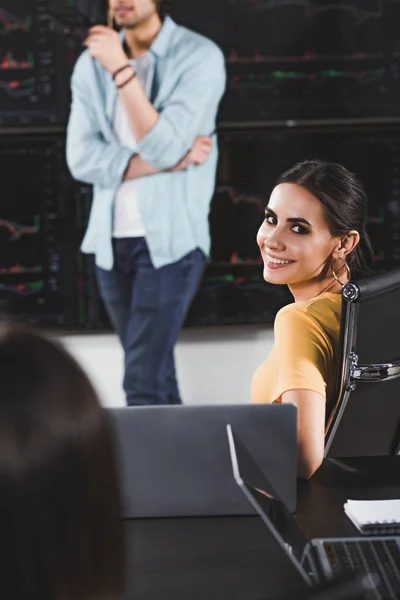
323, 311
324, 303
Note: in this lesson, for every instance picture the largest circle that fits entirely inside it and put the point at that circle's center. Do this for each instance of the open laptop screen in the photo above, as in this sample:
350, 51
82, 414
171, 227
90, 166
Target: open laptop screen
265, 500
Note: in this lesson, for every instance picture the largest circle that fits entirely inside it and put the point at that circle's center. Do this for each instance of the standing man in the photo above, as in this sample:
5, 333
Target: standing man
141, 130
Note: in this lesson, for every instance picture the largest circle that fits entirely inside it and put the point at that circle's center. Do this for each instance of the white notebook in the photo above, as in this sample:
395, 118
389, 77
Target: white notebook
381, 517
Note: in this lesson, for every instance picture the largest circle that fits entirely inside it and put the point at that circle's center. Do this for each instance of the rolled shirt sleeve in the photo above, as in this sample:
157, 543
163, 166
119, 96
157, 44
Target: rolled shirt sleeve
90, 157
198, 90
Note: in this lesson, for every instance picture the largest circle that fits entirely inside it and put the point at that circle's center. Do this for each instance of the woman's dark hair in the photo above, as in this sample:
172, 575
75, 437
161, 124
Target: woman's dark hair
345, 204
60, 509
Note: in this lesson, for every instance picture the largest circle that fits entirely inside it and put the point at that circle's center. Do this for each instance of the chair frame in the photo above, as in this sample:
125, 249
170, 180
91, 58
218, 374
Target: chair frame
350, 373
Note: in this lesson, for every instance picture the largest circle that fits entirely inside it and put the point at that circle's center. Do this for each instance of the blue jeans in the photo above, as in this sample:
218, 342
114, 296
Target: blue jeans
147, 308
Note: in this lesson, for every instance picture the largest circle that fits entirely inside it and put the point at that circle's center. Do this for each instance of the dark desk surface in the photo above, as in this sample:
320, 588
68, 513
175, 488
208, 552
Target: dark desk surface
234, 558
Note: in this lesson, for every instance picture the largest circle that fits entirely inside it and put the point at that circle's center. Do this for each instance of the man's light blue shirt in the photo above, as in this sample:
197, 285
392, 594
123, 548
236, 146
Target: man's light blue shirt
185, 84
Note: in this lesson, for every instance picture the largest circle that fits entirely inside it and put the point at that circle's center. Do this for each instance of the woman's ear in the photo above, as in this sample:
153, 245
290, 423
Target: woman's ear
351, 240
346, 244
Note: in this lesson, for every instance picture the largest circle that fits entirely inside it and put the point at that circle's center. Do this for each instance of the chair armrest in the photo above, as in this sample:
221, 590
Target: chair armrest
374, 372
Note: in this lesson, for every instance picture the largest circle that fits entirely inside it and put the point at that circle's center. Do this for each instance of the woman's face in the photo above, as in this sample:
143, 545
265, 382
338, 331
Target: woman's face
294, 238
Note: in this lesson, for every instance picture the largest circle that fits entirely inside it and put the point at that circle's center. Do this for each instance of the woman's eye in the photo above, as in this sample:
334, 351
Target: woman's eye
270, 219
299, 229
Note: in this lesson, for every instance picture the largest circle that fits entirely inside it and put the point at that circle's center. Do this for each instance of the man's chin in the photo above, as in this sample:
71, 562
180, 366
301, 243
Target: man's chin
126, 23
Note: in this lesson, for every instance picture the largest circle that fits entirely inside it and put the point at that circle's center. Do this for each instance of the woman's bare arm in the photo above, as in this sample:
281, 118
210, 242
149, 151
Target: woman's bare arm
310, 429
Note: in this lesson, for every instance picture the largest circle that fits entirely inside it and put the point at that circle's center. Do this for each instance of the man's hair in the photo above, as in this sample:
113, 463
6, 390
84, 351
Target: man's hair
60, 506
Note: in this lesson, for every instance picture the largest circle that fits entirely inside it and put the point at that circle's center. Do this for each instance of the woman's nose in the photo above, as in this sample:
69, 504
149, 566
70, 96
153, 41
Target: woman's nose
274, 240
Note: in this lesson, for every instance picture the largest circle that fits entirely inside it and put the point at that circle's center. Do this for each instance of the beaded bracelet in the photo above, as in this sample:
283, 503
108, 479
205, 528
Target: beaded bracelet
118, 71
124, 83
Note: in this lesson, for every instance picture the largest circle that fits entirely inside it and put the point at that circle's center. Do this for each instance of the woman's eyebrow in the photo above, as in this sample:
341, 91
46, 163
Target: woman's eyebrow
291, 220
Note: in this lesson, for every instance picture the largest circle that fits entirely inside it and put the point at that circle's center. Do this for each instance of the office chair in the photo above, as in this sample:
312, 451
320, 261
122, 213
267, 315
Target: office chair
364, 416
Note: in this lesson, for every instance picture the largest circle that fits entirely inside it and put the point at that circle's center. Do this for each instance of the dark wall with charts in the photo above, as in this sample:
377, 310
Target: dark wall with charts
304, 59
305, 79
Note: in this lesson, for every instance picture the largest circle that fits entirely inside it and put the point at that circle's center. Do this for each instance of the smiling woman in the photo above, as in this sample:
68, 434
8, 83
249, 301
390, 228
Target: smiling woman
313, 237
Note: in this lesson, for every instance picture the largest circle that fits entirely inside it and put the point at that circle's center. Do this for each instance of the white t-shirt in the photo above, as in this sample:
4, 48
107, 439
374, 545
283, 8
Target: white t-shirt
127, 218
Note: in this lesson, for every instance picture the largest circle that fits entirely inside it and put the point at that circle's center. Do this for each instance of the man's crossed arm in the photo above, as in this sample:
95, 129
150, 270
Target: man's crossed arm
197, 155
95, 160
163, 137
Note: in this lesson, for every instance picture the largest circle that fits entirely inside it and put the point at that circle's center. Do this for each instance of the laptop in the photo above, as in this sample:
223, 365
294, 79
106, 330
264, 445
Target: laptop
317, 560
174, 460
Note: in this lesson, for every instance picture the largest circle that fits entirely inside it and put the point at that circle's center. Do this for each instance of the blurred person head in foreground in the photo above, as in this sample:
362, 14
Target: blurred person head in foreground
60, 509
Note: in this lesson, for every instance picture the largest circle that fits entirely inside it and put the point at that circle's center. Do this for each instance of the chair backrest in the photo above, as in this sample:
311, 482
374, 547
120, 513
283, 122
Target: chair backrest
364, 415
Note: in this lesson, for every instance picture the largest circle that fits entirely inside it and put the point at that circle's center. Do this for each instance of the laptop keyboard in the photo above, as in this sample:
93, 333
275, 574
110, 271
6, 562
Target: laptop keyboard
368, 556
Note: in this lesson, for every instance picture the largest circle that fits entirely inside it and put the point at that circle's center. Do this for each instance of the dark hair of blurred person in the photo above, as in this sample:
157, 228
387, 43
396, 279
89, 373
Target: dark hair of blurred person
60, 509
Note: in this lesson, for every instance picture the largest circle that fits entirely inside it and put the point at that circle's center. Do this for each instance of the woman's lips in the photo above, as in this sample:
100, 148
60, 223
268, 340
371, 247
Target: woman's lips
275, 265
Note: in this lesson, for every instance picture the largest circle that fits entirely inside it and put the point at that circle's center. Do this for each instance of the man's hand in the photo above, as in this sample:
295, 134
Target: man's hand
138, 168
197, 155
105, 46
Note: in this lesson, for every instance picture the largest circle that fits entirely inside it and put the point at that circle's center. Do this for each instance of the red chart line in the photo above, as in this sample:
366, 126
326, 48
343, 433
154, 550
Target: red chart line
310, 9
17, 231
12, 23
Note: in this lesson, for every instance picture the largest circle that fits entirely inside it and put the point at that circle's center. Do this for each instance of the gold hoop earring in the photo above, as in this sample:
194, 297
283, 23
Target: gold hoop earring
335, 274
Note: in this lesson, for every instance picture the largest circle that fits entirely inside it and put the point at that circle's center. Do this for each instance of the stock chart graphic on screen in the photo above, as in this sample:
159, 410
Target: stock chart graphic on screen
304, 59
43, 278
36, 59
305, 78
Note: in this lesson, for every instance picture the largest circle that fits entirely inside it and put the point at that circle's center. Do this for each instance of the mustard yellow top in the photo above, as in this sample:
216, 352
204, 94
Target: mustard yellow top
304, 355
